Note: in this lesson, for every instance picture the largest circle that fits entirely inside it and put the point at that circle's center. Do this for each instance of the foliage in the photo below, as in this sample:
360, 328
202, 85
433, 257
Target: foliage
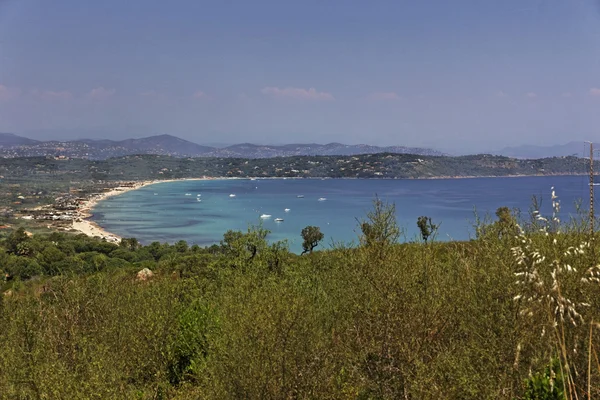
426, 227
547, 385
190, 346
311, 236
249, 319
380, 227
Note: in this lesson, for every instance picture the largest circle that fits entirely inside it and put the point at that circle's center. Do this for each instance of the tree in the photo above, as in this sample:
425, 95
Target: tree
131, 244
22, 267
181, 246
312, 235
380, 227
51, 254
245, 246
427, 227
507, 223
229, 239
157, 250
504, 216
15, 242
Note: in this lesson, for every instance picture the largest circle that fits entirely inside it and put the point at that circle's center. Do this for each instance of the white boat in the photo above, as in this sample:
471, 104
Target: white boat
287, 210
300, 196
322, 198
156, 194
278, 219
198, 195
232, 195
265, 216
188, 194
197, 199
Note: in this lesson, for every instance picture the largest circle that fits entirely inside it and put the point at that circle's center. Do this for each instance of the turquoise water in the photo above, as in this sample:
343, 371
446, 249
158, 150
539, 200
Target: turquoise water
163, 212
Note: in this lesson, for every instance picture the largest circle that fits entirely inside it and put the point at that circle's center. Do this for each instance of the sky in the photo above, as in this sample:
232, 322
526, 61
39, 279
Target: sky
458, 76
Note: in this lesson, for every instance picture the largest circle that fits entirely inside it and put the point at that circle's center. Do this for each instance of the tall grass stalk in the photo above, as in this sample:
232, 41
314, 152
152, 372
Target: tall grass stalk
551, 282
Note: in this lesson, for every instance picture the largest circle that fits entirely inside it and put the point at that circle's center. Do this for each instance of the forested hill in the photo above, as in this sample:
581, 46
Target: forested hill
150, 167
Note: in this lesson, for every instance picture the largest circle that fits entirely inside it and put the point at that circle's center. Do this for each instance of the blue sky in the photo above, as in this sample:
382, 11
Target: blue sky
462, 76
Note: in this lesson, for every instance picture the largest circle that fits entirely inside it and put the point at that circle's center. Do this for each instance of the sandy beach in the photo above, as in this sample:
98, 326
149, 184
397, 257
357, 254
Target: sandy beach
82, 223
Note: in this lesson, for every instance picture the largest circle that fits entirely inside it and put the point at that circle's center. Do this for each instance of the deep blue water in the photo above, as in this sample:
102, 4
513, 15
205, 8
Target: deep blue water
163, 212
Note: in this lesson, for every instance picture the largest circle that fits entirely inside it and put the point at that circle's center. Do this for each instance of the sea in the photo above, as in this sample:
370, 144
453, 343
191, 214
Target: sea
201, 211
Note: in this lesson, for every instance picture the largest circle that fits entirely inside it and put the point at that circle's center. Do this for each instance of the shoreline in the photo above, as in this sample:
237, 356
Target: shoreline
82, 222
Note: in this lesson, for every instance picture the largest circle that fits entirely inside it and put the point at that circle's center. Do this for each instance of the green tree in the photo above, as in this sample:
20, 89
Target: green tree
131, 244
243, 248
181, 246
311, 235
426, 227
23, 267
380, 227
16, 240
229, 239
507, 223
157, 250
51, 255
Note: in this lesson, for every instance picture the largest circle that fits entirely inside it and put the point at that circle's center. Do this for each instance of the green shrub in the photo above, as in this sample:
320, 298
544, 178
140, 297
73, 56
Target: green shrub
190, 347
547, 385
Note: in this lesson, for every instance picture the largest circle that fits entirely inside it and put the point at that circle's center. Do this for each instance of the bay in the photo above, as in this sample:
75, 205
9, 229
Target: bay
200, 212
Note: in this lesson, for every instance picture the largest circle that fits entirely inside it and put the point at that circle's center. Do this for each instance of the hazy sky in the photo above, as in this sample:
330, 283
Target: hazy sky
462, 75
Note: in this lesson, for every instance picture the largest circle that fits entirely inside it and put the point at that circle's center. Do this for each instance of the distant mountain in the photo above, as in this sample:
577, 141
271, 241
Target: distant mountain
247, 150
161, 144
578, 149
174, 146
11, 140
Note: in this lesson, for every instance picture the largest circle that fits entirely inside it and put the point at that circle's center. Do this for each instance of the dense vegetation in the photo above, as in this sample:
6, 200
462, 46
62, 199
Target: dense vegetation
383, 165
510, 314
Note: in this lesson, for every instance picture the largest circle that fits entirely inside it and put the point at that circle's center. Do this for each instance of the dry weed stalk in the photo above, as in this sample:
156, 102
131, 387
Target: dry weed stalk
548, 277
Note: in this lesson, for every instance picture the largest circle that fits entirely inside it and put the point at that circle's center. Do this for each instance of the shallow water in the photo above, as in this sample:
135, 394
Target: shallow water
163, 212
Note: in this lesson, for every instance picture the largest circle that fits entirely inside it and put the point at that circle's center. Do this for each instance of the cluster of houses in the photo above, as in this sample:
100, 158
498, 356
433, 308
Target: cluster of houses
64, 209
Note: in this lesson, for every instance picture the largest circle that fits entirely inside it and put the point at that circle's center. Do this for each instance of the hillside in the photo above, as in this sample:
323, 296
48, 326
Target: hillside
390, 166
161, 144
83, 318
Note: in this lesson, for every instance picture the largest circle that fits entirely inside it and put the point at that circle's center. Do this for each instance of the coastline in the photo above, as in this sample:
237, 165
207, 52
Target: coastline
84, 212
82, 222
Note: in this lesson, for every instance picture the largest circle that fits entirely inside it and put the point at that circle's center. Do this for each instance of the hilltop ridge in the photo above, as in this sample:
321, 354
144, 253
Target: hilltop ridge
12, 146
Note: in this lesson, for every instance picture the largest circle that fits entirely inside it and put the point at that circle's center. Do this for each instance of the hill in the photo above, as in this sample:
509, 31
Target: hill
386, 165
10, 140
169, 145
160, 144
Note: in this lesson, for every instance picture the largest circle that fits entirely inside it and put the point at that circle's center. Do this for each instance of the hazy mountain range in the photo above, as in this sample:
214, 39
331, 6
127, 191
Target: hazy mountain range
16, 146
11, 140
578, 149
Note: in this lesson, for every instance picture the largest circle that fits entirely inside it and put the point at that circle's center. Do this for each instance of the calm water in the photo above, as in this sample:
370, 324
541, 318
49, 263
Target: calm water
163, 212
